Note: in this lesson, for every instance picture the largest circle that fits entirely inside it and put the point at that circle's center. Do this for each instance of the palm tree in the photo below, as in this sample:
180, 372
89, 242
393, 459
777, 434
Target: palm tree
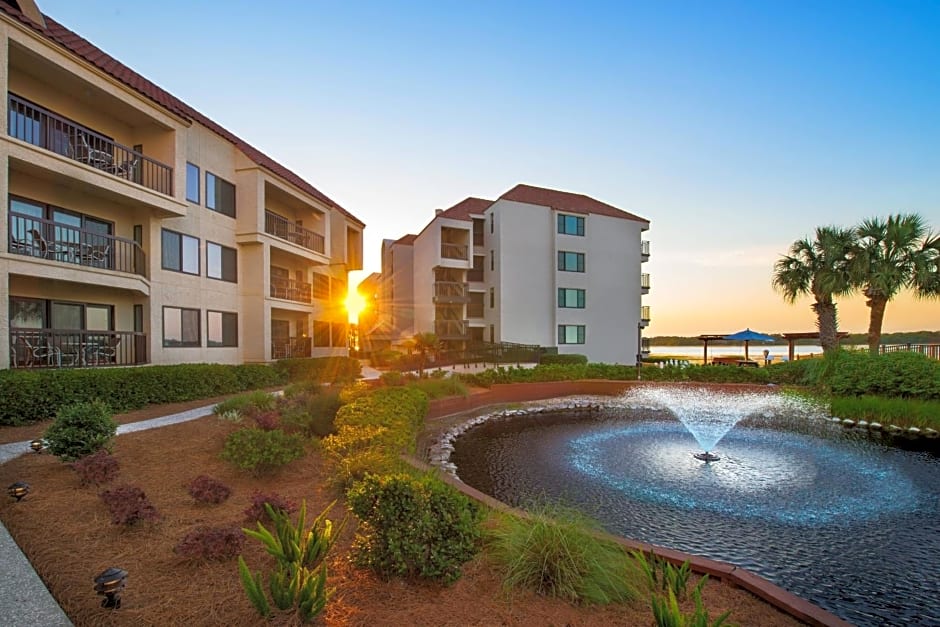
895, 254
426, 344
820, 268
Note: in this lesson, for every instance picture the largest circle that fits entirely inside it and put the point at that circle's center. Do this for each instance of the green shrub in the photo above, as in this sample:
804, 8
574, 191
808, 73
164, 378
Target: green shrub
440, 387
35, 395
244, 403
556, 553
260, 452
562, 359
320, 369
81, 429
392, 378
383, 358
299, 578
902, 374
313, 414
413, 526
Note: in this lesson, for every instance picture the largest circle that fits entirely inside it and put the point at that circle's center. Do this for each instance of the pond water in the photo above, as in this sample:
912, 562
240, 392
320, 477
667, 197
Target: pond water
843, 519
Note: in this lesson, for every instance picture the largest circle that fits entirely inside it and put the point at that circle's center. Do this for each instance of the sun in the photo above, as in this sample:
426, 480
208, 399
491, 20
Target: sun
355, 304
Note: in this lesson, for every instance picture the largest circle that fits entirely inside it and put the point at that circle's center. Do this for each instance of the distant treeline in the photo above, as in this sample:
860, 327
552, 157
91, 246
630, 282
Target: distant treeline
907, 337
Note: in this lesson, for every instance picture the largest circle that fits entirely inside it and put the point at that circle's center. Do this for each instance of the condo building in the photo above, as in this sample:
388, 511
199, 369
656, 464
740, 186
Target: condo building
536, 266
139, 231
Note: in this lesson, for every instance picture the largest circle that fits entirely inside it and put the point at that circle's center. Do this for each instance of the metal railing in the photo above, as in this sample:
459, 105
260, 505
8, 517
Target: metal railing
454, 251
47, 239
645, 313
288, 347
645, 281
930, 350
645, 248
451, 329
645, 345
451, 292
281, 227
38, 126
67, 348
289, 289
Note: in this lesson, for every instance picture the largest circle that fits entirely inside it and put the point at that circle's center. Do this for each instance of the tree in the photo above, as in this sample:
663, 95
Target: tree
822, 269
425, 344
895, 254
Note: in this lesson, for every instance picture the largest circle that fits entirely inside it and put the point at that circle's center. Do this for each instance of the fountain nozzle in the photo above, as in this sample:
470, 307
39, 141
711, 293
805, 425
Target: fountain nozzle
706, 457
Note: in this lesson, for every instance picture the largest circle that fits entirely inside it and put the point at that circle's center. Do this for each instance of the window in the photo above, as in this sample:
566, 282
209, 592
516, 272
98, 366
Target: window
321, 286
476, 274
492, 333
321, 333
181, 327
477, 231
221, 328
571, 334
492, 261
570, 298
475, 306
180, 252
491, 223
192, 183
492, 298
570, 262
221, 262
570, 225
339, 334
220, 195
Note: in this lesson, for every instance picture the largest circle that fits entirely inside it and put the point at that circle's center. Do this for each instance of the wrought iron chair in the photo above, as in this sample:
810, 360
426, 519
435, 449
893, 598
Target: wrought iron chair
38, 349
95, 157
49, 249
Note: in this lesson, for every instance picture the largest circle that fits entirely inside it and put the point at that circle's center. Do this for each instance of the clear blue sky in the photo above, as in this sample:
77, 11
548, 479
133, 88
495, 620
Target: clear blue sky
735, 127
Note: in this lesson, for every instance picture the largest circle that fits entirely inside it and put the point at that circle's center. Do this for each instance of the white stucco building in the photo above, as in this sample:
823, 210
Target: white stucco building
535, 266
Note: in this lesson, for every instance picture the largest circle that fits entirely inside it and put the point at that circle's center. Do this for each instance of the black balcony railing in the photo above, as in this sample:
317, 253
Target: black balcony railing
453, 251
645, 281
46, 239
38, 126
288, 347
288, 289
66, 348
451, 329
281, 227
451, 292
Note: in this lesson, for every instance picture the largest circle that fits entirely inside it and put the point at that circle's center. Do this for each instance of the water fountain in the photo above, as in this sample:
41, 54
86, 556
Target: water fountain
835, 515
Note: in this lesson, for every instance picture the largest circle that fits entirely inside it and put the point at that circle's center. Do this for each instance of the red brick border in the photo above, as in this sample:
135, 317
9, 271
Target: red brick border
793, 605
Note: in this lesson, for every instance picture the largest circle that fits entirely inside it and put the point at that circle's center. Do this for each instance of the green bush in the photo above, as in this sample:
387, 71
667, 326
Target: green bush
81, 429
244, 403
312, 414
31, 396
320, 369
555, 553
413, 526
561, 359
392, 378
440, 387
902, 374
260, 452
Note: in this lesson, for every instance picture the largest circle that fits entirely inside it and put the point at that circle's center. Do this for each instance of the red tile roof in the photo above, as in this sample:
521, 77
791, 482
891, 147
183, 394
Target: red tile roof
566, 201
109, 65
406, 240
467, 207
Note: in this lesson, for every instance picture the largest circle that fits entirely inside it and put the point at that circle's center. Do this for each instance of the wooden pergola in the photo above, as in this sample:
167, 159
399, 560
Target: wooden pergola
791, 339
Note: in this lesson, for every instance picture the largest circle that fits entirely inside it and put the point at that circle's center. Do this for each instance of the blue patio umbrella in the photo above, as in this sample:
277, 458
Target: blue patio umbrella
750, 336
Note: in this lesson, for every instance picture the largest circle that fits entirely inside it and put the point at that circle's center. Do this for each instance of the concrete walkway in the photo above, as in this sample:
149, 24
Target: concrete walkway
24, 599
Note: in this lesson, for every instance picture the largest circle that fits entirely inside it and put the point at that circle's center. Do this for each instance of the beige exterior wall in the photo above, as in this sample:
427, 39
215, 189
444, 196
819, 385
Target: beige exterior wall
35, 69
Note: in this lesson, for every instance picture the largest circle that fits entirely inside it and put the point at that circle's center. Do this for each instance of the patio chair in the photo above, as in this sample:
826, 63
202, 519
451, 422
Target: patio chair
38, 350
101, 159
105, 352
48, 249
126, 169
94, 254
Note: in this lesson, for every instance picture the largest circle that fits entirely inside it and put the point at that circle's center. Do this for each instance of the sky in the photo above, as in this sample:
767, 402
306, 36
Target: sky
734, 127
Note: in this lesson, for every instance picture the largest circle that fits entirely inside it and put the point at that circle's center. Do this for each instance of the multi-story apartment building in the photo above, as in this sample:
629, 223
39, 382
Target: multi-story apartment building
536, 266
137, 230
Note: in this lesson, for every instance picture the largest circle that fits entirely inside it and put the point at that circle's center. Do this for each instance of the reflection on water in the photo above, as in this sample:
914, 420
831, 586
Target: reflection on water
828, 514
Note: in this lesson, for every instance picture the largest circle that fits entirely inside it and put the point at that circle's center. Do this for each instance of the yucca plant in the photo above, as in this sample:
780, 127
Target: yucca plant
667, 613
299, 577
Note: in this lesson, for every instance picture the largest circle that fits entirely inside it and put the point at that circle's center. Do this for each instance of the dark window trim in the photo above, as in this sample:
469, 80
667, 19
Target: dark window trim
222, 261
198, 183
198, 271
581, 333
209, 342
48, 209
581, 298
563, 225
579, 261
215, 208
182, 344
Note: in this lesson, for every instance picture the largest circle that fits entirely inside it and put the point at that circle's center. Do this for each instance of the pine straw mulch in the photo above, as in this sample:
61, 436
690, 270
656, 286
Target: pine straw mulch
66, 532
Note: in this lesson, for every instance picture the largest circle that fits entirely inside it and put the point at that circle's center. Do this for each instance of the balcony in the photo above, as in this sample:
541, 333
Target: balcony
451, 292
43, 128
645, 250
451, 329
475, 310
289, 347
284, 229
46, 239
644, 315
454, 251
645, 282
645, 346
288, 289
69, 348
475, 275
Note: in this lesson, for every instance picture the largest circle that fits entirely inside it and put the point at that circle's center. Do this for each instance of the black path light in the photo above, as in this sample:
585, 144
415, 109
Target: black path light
18, 490
37, 445
111, 583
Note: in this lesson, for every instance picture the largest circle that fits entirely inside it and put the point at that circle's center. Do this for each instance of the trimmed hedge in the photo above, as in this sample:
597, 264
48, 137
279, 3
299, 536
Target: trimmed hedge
549, 360
893, 375
322, 369
31, 396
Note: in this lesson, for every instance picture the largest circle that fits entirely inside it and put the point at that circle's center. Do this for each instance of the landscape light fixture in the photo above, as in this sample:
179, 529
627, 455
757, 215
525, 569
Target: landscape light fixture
37, 445
111, 583
18, 490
